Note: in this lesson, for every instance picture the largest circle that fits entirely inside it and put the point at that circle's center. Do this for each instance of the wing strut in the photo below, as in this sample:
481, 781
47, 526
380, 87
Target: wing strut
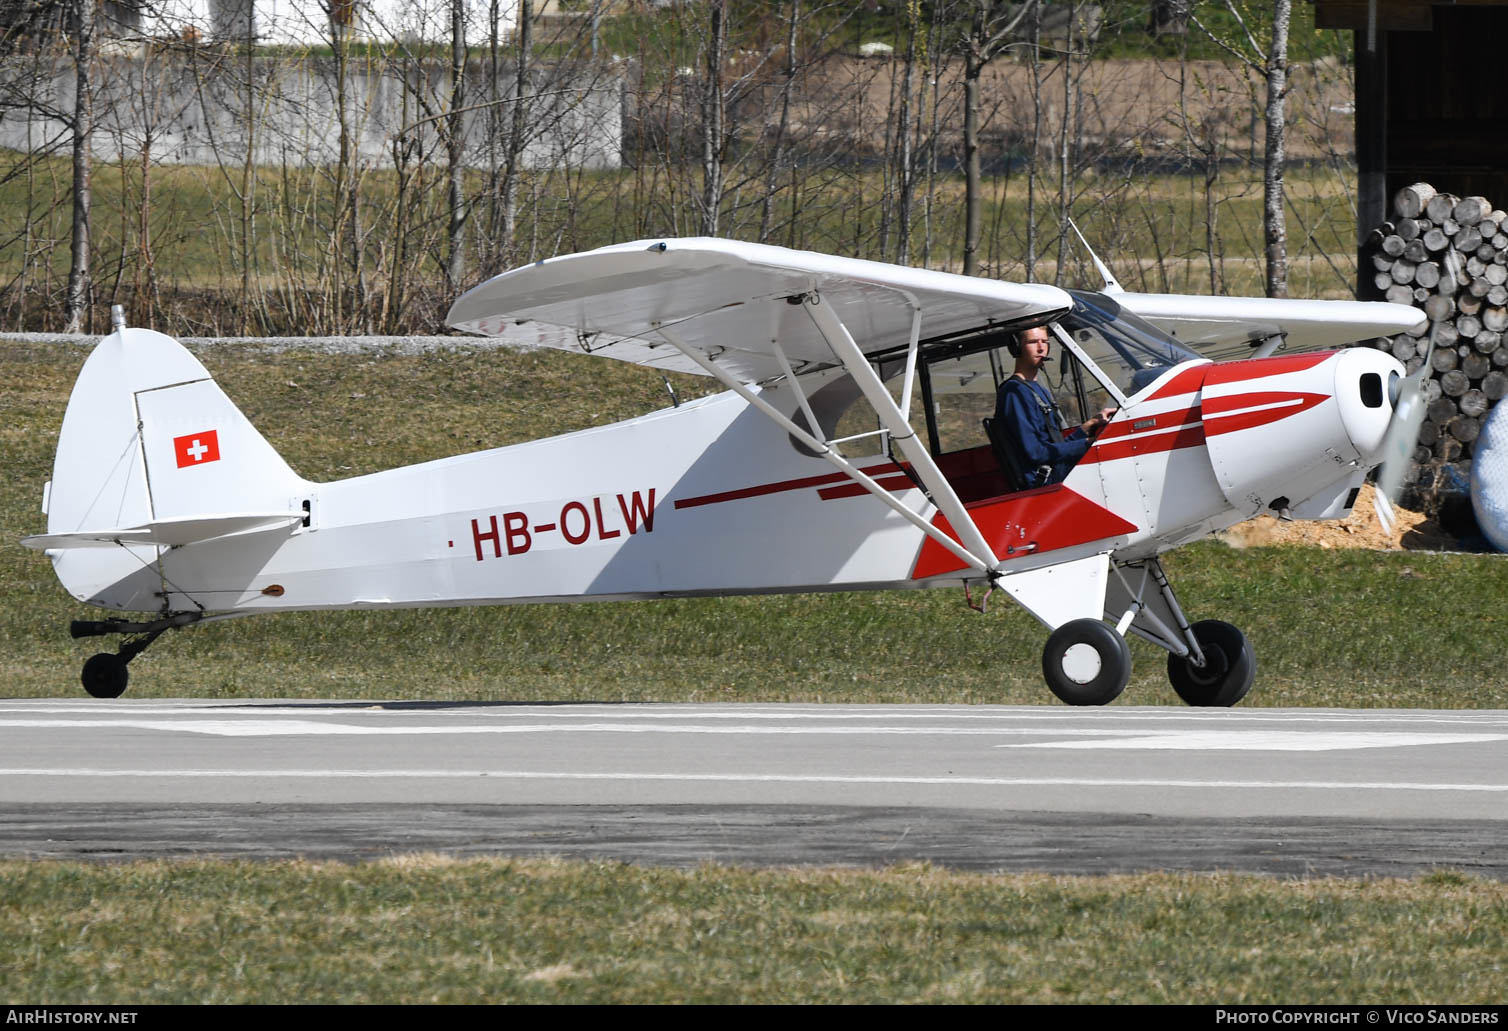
901, 432
826, 450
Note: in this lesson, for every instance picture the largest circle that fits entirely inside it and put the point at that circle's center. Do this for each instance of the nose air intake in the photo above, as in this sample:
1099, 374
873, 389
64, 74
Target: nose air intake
1366, 388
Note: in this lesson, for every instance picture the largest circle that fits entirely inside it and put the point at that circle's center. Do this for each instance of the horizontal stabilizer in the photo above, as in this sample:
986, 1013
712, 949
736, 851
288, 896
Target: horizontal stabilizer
168, 533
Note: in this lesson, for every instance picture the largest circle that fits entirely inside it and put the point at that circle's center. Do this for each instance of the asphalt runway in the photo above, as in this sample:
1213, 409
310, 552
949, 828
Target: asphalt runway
1277, 791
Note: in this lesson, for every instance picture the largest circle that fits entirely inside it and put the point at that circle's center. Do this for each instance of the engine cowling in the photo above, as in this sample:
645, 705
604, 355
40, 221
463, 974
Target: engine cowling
1293, 427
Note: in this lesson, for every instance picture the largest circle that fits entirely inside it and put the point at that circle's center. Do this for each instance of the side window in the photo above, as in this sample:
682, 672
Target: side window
963, 394
1078, 395
860, 418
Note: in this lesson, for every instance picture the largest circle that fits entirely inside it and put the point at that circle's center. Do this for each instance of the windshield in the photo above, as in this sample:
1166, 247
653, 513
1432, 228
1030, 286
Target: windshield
1128, 349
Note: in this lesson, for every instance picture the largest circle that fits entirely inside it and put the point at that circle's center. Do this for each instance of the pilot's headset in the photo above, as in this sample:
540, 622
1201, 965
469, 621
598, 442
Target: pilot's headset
1013, 344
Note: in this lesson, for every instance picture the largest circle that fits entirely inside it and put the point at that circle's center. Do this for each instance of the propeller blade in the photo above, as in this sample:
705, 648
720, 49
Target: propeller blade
1402, 436
1384, 509
1408, 413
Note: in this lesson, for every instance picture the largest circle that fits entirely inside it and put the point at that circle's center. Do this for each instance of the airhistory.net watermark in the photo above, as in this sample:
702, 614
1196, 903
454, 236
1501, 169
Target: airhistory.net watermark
67, 1015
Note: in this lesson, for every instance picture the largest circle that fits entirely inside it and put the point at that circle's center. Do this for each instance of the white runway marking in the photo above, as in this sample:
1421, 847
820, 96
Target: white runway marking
1075, 718
757, 778
1264, 741
1097, 738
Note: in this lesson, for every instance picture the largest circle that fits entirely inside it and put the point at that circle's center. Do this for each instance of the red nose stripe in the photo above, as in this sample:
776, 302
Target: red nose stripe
1190, 380
1186, 382
1244, 411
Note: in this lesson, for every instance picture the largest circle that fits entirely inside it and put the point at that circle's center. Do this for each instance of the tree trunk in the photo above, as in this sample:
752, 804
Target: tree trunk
493, 122
974, 58
767, 205
1036, 145
455, 268
77, 310
1273, 217
248, 188
712, 119
345, 159
905, 181
1065, 147
516, 127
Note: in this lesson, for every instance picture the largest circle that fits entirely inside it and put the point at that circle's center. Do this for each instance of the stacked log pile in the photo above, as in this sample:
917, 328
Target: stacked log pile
1434, 236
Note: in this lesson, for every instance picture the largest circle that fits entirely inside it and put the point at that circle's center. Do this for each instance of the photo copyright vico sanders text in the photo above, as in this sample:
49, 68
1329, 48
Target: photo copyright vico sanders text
1364, 1015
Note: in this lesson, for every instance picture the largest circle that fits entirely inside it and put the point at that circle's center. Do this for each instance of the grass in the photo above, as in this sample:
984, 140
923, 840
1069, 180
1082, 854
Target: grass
1330, 628
433, 930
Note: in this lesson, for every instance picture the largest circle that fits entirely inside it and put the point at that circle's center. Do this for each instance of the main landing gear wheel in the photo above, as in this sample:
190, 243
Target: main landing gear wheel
105, 675
1086, 662
1229, 666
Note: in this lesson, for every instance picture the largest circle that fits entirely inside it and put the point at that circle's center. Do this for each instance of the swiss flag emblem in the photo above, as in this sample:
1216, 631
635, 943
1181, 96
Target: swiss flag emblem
197, 448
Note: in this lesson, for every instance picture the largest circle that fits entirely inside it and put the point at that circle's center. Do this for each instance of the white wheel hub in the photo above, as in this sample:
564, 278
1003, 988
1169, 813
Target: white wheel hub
1082, 663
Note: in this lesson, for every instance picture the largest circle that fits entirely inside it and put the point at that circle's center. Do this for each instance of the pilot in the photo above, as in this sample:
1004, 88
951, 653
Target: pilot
1032, 421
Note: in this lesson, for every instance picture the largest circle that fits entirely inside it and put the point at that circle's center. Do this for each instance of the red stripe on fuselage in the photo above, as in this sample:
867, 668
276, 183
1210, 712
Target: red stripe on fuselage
853, 490
1169, 431
781, 486
1035, 521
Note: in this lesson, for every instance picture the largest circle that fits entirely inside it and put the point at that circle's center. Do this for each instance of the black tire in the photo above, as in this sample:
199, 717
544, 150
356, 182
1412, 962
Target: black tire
105, 676
1086, 662
1230, 667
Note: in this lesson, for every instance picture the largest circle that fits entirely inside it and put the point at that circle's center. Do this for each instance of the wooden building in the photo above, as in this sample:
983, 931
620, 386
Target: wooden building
1431, 101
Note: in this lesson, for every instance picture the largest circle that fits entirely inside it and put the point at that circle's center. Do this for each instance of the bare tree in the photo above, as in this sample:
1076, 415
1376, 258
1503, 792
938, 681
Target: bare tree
714, 112
77, 310
455, 129
990, 26
518, 128
1270, 61
905, 139
783, 127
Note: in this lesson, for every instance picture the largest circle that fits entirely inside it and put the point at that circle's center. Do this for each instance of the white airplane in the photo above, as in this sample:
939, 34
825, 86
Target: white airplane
847, 453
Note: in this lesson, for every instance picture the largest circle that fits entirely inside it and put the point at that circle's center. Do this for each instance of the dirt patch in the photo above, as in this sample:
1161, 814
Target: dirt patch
1412, 531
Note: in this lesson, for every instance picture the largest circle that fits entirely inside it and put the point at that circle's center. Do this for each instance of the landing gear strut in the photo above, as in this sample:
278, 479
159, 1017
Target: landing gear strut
104, 674
1209, 663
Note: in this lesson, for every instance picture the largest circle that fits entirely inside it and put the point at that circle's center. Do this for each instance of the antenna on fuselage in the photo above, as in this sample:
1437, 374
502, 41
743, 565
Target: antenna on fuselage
1112, 285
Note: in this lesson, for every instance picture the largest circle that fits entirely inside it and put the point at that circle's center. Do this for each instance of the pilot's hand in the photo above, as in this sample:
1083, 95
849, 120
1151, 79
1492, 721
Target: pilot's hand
1093, 427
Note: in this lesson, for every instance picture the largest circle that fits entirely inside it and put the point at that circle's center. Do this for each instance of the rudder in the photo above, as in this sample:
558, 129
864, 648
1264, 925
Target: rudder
149, 436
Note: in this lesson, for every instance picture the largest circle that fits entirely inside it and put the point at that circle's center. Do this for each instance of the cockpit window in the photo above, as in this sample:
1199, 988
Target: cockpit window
1127, 348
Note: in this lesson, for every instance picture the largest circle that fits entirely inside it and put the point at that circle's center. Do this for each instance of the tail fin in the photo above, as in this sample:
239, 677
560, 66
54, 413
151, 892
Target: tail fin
152, 452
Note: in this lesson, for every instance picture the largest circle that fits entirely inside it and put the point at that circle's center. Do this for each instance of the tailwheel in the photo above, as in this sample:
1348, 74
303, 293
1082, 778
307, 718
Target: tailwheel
1228, 671
1086, 662
105, 676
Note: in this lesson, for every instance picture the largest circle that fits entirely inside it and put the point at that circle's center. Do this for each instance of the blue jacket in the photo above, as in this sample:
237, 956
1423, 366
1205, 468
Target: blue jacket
1027, 412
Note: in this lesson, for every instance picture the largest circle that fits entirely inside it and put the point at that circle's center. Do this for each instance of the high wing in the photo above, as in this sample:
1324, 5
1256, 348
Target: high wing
731, 301
1230, 327
749, 314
